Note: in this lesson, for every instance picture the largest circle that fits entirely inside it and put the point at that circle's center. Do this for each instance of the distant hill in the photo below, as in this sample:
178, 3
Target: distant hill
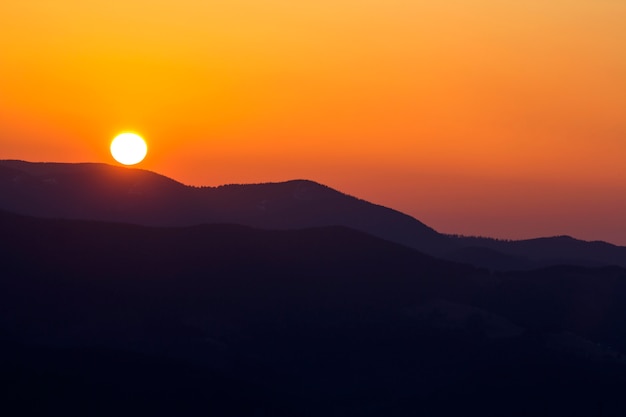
540, 252
100, 318
107, 193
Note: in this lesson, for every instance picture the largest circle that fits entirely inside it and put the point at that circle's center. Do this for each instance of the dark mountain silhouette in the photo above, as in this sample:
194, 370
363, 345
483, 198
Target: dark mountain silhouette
224, 319
106, 193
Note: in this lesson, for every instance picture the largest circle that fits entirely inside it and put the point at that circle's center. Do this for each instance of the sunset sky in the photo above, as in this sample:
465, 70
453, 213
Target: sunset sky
502, 118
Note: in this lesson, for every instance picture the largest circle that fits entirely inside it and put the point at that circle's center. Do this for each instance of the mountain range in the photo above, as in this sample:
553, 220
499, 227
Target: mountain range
100, 318
115, 194
125, 292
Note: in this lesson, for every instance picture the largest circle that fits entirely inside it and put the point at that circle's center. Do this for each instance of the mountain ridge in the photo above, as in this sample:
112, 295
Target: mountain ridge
133, 196
96, 191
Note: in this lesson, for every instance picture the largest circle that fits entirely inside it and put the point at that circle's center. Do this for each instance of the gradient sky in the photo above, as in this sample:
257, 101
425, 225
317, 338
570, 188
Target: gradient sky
485, 117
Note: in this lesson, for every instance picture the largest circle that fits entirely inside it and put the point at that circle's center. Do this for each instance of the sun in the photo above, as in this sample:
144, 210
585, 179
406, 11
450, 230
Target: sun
129, 148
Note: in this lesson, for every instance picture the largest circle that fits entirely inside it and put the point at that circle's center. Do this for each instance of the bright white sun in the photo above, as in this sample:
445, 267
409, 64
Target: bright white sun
129, 148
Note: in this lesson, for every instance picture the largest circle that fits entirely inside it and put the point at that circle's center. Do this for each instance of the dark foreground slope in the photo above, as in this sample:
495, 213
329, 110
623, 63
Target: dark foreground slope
106, 193
103, 319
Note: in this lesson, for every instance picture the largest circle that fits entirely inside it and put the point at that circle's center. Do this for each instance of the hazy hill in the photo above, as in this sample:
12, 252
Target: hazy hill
107, 193
539, 252
229, 320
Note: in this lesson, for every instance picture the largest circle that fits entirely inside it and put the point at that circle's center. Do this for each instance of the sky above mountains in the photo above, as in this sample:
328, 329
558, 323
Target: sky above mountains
500, 118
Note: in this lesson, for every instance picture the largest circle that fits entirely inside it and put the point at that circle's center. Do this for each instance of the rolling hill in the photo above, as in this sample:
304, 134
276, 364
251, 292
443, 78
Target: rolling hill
232, 320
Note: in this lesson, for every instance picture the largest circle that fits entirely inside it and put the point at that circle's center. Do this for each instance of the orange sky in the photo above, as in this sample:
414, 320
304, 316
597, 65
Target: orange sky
493, 117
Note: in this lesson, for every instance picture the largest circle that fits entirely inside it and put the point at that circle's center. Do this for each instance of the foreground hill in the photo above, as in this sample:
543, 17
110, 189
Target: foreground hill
106, 193
100, 318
